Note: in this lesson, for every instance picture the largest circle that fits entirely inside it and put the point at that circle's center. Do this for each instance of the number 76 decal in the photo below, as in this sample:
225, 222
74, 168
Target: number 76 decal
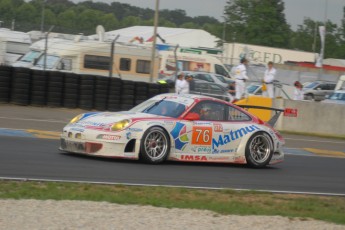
202, 135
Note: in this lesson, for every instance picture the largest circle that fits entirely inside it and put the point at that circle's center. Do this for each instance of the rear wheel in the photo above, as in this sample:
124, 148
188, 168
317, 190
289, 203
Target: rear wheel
259, 150
155, 146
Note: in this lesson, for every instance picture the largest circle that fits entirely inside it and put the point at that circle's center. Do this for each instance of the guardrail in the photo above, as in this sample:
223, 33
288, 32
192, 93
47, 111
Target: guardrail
23, 86
313, 117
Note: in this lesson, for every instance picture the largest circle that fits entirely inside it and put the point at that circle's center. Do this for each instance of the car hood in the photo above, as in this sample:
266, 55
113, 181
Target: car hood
106, 119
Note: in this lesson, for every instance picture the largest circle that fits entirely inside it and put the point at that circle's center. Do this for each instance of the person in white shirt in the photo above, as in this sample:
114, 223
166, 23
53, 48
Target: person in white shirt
181, 85
269, 76
298, 93
241, 78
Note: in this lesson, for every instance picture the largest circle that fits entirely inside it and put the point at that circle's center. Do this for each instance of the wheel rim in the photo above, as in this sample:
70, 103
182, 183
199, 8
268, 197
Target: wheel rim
260, 148
156, 144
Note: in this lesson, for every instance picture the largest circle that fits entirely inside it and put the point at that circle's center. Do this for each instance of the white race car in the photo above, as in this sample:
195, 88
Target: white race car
176, 127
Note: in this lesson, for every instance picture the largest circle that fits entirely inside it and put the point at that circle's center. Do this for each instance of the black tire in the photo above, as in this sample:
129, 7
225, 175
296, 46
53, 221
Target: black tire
127, 101
114, 107
310, 97
139, 97
22, 70
126, 107
71, 78
127, 92
153, 150
127, 97
259, 150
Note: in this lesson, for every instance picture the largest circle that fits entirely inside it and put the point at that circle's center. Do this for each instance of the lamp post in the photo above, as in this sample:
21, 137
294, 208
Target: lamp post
223, 37
43, 15
323, 43
154, 41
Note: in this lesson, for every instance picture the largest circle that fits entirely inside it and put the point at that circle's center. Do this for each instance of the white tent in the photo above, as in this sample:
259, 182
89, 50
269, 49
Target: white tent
174, 36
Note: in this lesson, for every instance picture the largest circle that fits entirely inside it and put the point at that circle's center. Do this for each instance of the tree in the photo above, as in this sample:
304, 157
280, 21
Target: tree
307, 38
109, 22
260, 22
67, 21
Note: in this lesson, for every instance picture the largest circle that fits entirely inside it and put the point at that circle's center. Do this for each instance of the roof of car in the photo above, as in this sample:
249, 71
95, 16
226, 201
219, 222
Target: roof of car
192, 96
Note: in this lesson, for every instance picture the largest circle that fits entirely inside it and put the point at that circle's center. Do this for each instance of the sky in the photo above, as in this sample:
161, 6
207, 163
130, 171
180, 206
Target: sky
295, 10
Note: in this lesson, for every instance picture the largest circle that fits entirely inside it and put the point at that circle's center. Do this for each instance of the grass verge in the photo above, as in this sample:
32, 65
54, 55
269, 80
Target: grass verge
326, 208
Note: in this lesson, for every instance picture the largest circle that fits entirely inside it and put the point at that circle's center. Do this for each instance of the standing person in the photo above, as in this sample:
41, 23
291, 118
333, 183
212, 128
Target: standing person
181, 85
191, 82
232, 91
241, 77
269, 76
298, 93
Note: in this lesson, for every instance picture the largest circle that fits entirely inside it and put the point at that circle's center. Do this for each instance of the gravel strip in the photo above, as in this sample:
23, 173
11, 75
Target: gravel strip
51, 215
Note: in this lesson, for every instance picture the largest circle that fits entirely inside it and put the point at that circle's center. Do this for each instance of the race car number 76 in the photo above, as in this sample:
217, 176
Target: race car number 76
202, 135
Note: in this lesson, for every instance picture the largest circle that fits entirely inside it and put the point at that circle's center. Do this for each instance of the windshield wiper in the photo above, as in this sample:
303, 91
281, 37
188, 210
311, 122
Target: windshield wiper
153, 105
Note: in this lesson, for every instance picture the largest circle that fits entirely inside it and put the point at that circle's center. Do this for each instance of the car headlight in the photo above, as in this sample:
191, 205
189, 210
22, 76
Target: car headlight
76, 118
120, 125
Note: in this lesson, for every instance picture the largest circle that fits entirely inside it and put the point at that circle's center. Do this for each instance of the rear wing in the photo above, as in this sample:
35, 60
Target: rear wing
288, 112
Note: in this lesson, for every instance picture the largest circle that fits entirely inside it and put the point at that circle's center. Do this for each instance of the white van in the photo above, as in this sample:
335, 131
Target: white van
190, 62
13, 45
93, 57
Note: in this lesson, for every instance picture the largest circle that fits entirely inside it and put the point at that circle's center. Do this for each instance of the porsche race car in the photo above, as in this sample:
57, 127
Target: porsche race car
175, 127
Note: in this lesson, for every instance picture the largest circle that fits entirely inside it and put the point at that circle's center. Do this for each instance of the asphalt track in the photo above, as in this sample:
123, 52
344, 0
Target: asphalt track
29, 142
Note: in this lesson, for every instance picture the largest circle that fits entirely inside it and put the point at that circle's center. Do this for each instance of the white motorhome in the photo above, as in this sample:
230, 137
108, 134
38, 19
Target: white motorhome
130, 62
13, 45
190, 62
36, 50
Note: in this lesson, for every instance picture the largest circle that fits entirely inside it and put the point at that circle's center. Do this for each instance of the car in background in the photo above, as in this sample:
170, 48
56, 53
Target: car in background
204, 76
212, 90
338, 97
318, 90
254, 89
209, 77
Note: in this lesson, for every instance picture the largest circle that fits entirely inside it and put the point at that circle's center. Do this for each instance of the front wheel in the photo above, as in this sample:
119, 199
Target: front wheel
155, 146
259, 150
310, 97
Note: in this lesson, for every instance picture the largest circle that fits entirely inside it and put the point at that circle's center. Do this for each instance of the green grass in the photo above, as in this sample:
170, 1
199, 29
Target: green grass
326, 208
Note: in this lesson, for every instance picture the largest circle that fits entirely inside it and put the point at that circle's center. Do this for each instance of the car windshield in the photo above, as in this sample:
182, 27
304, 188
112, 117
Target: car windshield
161, 107
252, 88
51, 61
311, 85
221, 78
338, 96
30, 56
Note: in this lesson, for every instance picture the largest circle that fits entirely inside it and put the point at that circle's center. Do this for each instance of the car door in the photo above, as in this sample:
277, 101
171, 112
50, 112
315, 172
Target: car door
217, 135
322, 90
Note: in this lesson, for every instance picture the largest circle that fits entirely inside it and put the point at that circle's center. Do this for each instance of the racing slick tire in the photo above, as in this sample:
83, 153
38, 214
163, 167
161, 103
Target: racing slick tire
259, 150
154, 146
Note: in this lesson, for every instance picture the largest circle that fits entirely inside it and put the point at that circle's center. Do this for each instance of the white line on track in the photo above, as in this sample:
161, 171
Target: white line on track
334, 142
171, 186
38, 120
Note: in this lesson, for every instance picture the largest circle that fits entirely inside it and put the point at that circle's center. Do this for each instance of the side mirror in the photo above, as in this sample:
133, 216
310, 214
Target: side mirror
192, 117
318, 88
